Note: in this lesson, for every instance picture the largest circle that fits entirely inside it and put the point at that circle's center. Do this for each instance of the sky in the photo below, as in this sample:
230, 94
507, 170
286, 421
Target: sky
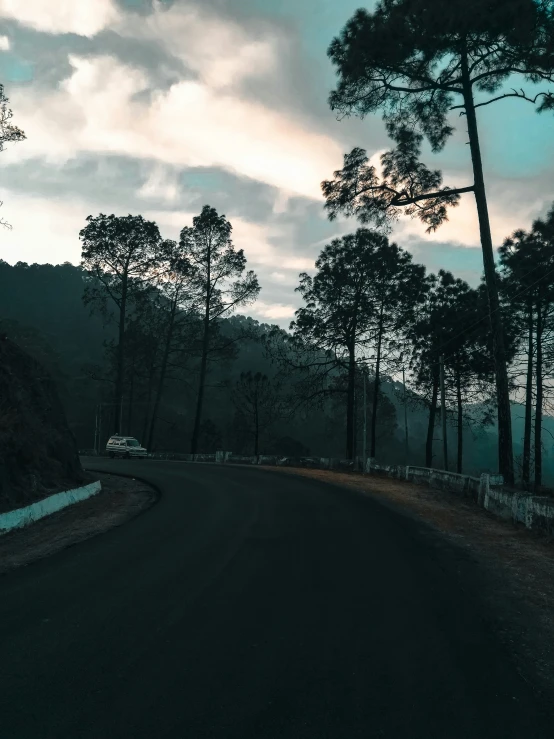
160, 107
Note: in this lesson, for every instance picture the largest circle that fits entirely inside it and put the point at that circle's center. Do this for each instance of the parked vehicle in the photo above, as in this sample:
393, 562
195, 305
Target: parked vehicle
125, 446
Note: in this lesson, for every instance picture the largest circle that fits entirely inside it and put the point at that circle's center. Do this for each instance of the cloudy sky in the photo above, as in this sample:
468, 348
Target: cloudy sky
140, 106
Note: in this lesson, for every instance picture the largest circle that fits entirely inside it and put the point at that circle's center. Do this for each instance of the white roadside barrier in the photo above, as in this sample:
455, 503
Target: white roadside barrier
487, 490
34, 512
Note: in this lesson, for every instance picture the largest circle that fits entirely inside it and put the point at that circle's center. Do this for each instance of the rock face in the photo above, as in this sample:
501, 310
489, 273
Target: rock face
38, 453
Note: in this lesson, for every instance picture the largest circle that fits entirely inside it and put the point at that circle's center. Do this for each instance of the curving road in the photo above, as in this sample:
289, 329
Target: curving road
250, 604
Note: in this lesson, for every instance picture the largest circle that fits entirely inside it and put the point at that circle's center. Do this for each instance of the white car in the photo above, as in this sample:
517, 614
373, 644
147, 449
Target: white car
125, 446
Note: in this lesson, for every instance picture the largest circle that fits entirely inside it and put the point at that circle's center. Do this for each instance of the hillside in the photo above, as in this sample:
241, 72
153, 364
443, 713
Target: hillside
38, 453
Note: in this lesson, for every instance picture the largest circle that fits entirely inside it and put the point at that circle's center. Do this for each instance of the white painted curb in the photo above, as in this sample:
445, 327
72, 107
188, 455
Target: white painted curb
31, 513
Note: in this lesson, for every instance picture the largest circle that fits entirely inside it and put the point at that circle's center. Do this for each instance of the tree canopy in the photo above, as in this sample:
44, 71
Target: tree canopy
220, 284
416, 62
120, 254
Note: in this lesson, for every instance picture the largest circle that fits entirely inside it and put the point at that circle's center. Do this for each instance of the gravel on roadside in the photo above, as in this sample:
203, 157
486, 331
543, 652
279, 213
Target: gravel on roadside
120, 499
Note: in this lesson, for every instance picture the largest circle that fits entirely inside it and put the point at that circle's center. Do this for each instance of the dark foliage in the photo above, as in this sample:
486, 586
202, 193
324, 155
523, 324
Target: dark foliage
38, 453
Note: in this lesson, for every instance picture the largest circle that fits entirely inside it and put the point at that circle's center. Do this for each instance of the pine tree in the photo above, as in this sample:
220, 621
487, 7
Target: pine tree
417, 61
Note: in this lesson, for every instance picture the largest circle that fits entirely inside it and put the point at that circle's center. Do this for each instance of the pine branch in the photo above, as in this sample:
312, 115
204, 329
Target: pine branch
515, 94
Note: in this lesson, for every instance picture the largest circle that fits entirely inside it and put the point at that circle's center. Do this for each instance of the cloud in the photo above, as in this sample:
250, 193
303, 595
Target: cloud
4, 43
47, 229
43, 230
272, 310
161, 184
99, 108
82, 17
297, 263
281, 202
281, 278
219, 50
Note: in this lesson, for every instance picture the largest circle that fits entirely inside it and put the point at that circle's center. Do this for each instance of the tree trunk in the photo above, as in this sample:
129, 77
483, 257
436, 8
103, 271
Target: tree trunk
431, 424
460, 421
526, 466
355, 422
131, 399
443, 418
201, 385
505, 450
538, 407
161, 379
151, 372
350, 402
118, 405
204, 359
256, 429
376, 388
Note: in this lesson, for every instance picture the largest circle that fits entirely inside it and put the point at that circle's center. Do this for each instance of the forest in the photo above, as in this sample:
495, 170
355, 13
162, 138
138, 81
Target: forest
150, 337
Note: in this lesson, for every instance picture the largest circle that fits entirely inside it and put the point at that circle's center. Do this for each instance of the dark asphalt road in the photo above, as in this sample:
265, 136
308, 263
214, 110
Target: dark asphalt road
253, 605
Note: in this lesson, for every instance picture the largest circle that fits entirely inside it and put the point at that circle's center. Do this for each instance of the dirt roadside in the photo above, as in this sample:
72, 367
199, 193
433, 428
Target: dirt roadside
518, 564
120, 500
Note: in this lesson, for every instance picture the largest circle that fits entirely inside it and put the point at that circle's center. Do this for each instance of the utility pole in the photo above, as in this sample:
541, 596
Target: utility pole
365, 424
443, 414
406, 441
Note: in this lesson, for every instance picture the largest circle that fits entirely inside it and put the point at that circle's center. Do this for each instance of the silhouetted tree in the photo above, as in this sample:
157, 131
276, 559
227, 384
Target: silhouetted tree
469, 365
219, 281
417, 61
397, 289
543, 233
527, 259
302, 365
519, 280
340, 307
144, 343
260, 403
363, 297
175, 302
119, 254
381, 422
450, 323
210, 437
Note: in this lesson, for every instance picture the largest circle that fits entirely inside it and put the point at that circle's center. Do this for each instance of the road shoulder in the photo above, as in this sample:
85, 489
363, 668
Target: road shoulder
120, 500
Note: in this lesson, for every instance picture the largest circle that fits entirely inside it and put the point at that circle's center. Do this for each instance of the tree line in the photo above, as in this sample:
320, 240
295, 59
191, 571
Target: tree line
417, 63
367, 313
165, 298
369, 308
